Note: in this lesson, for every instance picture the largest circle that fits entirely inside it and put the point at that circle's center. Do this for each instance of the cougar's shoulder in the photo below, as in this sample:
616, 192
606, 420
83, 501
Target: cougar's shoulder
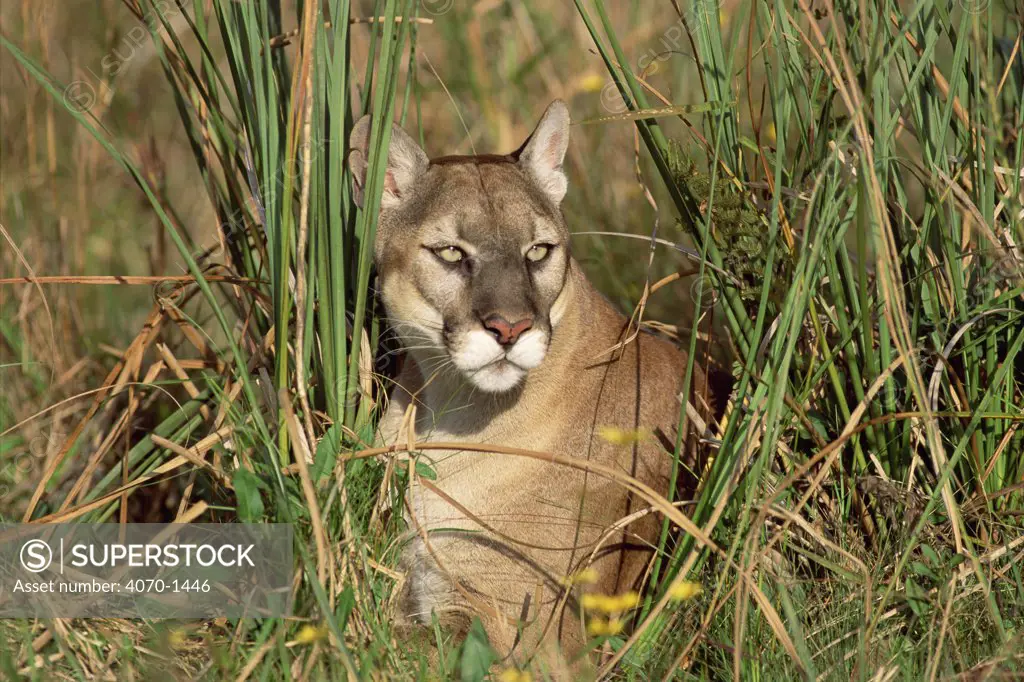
634, 376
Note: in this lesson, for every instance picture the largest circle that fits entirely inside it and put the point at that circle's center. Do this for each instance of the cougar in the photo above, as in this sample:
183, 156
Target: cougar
506, 343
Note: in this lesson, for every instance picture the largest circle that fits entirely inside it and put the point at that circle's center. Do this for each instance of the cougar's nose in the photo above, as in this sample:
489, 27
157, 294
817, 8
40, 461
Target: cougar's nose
505, 332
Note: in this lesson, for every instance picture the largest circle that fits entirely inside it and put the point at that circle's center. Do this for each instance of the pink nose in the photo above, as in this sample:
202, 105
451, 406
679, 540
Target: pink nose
505, 332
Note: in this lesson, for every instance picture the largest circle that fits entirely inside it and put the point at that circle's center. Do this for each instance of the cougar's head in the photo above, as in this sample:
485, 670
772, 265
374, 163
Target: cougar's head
472, 252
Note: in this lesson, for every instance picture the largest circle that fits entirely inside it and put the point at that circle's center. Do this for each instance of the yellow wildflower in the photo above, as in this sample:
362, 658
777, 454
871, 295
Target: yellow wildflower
592, 82
598, 627
177, 638
617, 436
626, 601
586, 576
311, 633
595, 602
610, 603
515, 675
683, 590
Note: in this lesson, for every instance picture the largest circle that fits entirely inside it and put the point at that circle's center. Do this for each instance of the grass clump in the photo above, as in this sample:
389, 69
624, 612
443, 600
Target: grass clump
738, 230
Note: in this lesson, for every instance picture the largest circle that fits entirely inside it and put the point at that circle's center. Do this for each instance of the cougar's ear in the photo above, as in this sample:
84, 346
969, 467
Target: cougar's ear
543, 152
406, 163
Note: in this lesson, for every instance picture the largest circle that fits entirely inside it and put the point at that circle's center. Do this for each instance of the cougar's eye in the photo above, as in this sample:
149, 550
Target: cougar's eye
450, 254
538, 252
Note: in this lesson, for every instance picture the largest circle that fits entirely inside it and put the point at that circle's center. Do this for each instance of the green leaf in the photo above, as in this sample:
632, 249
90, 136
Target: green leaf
917, 598
425, 470
247, 493
346, 602
477, 654
326, 453
921, 569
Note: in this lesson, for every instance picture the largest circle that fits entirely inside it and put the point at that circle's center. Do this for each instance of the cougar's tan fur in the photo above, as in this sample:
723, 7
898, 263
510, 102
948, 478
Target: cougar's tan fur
513, 528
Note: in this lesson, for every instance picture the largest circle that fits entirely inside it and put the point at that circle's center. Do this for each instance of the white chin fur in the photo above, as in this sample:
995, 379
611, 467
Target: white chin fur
497, 378
478, 357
